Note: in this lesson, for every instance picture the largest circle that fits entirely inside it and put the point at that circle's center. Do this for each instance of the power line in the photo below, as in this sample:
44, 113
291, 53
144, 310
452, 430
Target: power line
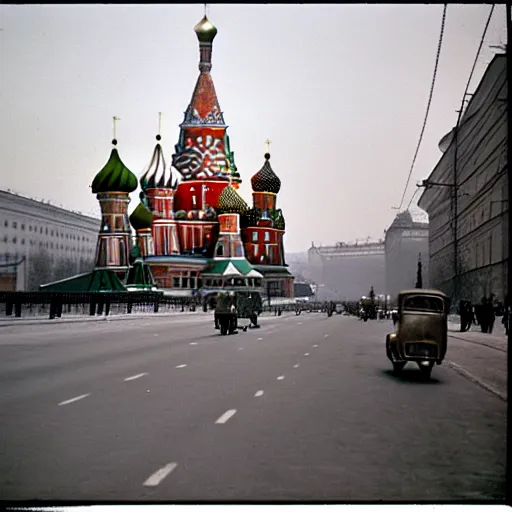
413, 196
428, 104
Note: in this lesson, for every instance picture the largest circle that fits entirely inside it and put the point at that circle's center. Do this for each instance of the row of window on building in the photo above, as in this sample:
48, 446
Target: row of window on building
46, 231
48, 245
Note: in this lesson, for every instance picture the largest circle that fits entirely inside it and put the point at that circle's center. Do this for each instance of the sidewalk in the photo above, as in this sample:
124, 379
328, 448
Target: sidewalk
497, 339
44, 320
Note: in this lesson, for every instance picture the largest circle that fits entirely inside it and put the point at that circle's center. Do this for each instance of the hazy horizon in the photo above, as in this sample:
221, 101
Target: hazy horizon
340, 90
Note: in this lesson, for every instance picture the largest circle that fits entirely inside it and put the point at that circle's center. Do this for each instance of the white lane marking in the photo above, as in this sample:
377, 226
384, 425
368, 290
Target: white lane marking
133, 377
259, 393
326, 335
281, 377
225, 417
240, 348
314, 346
155, 335
296, 366
259, 339
158, 476
306, 354
70, 401
181, 366
300, 323
462, 371
193, 343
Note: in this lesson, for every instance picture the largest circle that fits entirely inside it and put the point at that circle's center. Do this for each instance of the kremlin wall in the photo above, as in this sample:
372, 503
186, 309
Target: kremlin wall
194, 233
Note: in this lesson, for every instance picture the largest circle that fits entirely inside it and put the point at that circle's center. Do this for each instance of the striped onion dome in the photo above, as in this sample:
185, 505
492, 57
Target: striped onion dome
158, 175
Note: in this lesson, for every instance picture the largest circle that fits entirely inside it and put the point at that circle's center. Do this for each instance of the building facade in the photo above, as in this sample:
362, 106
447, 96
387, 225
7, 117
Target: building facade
346, 271
191, 224
406, 242
40, 242
467, 203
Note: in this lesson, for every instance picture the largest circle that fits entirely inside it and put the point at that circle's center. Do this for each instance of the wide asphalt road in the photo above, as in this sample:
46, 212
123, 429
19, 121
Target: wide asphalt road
305, 408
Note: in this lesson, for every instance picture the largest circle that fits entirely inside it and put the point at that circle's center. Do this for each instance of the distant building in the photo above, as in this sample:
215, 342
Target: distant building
406, 239
348, 270
479, 237
40, 242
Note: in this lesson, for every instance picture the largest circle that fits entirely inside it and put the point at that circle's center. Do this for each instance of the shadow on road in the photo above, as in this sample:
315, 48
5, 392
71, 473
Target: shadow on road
409, 375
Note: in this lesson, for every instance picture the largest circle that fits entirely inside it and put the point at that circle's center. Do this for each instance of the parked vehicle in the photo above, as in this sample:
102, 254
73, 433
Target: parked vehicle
421, 333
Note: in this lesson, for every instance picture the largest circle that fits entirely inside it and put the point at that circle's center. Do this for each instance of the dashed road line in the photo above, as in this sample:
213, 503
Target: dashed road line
156, 335
181, 366
326, 335
462, 371
296, 366
71, 400
193, 343
300, 323
315, 346
225, 417
133, 377
281, 377
159, 475
306, 354
240, 348
259, 339
259, 393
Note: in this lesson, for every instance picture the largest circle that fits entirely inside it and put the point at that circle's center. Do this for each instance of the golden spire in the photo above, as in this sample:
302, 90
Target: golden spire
267, 144
159, 122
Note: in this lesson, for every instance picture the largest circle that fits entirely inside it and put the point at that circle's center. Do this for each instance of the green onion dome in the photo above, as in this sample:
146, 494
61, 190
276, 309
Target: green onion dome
180, 215
205, 31
114, 177
266, 180
141, 218
231, 202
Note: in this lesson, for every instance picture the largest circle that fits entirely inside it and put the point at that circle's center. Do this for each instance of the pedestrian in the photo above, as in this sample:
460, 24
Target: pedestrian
491, 317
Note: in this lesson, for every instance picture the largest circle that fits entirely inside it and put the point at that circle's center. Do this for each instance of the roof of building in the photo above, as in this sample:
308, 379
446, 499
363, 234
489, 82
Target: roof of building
266, 180
141, 218
115, 176
140, 276
413, 217
95, 281
231, 267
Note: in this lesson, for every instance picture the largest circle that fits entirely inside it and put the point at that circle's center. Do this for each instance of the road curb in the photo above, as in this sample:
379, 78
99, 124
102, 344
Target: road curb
465, 373
478, 343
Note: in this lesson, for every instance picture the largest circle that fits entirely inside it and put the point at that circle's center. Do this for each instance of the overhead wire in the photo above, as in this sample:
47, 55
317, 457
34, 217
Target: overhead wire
439, 45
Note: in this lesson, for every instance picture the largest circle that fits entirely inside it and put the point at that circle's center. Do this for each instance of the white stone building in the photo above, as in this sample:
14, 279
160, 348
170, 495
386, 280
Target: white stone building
406, 239
346, 271
40, 242
468, 230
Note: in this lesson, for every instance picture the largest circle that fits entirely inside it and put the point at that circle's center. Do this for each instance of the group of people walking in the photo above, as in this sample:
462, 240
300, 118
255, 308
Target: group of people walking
483, 314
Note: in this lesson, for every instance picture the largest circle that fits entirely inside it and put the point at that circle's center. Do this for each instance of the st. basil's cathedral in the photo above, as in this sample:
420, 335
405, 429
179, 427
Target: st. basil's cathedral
194, 232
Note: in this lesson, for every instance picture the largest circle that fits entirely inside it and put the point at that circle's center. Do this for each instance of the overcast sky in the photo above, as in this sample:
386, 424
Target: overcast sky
340, 90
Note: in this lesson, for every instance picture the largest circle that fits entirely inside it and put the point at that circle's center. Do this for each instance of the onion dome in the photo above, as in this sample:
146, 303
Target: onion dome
157, 174
231, 202
141, 218
205, 31
115, 176
180, 215
266, 180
